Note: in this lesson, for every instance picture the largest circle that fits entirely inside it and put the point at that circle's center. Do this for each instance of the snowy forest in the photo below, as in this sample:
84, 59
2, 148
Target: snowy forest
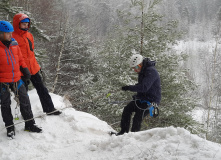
83, 47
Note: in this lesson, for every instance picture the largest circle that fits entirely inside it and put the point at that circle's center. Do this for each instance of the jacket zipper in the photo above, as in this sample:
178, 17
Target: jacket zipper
10, 56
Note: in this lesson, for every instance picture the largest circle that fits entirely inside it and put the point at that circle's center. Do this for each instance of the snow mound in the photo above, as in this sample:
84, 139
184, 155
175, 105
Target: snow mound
159, 144
77, 135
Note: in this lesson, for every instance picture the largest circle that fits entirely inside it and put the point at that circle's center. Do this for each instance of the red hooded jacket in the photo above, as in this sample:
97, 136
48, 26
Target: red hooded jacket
10, 61
26, 43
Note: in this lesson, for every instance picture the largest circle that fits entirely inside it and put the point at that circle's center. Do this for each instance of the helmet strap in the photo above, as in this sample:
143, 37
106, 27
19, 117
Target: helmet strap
4, 36
140, 65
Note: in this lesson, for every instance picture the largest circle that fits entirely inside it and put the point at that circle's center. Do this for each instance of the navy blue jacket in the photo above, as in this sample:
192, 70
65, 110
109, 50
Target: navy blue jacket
148, 86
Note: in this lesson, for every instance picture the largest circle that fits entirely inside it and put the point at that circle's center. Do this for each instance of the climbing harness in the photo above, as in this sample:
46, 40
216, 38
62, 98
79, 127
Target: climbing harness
152, 107
15, 88
154, 111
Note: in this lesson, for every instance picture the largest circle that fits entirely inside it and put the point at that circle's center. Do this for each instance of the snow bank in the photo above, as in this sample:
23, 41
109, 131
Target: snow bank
159, 144
76, 135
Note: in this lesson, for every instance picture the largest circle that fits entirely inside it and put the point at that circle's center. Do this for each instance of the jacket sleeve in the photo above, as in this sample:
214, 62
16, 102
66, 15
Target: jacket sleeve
21, 59
151, 76
32, 41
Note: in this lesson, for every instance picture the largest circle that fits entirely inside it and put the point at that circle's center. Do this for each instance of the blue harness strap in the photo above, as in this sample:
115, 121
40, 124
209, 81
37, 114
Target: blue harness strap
153, 110
144, 101
20, 83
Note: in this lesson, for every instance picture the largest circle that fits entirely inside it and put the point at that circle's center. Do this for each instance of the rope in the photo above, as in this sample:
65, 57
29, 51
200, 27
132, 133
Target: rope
7, 85
114, 123
43, 115
119, 102
17, 100
15, 89
144, 110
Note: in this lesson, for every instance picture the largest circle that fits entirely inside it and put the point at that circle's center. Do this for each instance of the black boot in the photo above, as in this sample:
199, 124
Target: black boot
116, 134
33, 128
11, 132
55, 112
120, 133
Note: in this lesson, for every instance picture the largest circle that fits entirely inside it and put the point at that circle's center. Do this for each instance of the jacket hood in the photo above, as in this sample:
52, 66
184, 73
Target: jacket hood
147, 62
16, 21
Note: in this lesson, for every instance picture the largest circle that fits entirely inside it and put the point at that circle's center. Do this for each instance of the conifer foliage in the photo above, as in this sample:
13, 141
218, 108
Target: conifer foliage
142, 32
85, 58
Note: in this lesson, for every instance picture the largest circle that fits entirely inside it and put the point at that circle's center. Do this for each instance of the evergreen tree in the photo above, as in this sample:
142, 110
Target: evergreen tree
143, 33
76, 65
213, 127
9, 8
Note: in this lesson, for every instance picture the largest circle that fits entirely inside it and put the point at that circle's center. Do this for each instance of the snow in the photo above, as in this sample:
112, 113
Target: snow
77, 135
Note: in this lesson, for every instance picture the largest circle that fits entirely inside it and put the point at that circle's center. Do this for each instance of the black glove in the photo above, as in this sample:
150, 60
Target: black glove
125, 88
134, 97
26, 81
26, 73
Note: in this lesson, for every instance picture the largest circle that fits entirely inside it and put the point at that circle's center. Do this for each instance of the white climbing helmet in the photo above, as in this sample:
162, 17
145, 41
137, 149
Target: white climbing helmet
135, 60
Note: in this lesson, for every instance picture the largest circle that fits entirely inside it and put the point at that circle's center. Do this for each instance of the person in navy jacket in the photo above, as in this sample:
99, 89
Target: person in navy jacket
148, 91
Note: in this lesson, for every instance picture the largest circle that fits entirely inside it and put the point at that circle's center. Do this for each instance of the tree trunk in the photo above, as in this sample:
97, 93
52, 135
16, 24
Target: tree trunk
60, 55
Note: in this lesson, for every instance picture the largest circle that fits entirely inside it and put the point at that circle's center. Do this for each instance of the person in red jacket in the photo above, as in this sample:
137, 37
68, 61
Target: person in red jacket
11, 66
21, 24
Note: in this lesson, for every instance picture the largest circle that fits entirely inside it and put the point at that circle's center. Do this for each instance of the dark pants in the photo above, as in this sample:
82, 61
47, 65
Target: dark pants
43, 94
25, 106
140, 113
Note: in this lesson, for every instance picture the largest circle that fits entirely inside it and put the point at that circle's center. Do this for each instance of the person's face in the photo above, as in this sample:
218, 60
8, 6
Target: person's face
24, 25
6, 36
137, 68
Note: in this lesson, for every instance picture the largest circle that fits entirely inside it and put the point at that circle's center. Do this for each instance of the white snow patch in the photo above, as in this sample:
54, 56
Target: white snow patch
77, 135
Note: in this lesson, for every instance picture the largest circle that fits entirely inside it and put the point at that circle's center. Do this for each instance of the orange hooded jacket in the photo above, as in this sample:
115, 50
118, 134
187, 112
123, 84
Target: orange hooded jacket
26, 43
10, 61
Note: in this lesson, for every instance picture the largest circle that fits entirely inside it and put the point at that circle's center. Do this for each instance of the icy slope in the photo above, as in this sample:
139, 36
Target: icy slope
76, 135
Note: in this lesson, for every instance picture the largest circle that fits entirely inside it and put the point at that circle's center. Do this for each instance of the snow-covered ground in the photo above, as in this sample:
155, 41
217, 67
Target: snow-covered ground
77, 135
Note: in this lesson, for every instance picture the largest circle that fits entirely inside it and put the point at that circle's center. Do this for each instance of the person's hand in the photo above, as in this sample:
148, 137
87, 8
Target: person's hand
26, 81
26, 73
125, 88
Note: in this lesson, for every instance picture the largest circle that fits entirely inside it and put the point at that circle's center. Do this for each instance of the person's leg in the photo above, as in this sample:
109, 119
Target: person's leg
6, 106
26, 82
25, 105
140, 113
43, 94
126, 116
25, 108
6, 110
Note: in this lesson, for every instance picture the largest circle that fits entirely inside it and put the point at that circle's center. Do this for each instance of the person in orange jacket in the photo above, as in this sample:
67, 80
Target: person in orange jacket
21, 24
11, 66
